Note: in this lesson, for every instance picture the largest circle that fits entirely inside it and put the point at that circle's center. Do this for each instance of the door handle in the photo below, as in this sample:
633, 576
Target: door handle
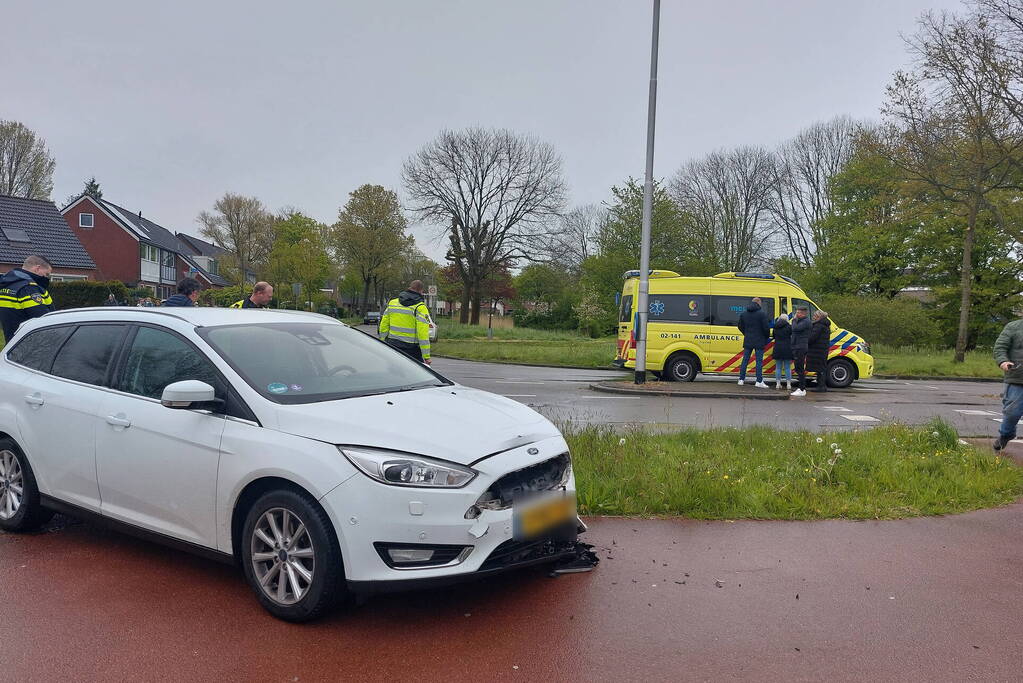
118, 420
34, 400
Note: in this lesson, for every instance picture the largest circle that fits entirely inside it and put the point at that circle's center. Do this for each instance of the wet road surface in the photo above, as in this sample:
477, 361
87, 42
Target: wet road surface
921, 599
563, 395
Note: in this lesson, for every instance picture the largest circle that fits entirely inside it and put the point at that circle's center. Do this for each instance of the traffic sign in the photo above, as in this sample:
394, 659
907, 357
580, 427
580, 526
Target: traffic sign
432, 290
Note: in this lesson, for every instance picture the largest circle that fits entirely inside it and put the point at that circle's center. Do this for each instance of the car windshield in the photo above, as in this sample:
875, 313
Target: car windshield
306, 362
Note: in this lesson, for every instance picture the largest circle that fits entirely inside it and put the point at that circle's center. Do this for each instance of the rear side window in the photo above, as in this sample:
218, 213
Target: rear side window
727, 309
37, 349
87, 354
159, 358
625, 315
679, 308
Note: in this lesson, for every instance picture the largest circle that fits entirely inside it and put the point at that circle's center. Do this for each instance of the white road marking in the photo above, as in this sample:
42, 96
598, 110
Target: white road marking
975, 412
861, 418
996, 419
514, 381
611, 398
835, 409
930, 387
856, 388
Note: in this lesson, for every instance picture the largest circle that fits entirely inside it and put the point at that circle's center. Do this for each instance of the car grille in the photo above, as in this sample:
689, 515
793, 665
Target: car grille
548, 475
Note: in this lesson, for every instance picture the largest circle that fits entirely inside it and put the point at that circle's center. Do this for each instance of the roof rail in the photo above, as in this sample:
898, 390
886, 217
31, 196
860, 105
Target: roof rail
135, 309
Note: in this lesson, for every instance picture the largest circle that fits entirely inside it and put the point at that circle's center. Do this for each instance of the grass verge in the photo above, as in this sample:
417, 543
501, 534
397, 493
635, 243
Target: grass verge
912, 361
886, 472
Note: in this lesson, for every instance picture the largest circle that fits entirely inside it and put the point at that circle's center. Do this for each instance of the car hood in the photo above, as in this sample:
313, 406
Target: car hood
452, 423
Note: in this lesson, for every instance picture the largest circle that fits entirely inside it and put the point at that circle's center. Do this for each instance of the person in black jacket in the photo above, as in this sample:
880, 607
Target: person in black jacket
24, 294
817, 352
756, 332
782, 352
800, 342
189, 290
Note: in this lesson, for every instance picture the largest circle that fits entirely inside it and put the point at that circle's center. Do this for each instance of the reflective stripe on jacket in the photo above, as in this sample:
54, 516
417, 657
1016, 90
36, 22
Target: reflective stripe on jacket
410, 324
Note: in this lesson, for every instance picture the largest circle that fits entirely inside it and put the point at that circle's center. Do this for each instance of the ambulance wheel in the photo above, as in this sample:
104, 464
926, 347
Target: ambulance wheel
682, 368
840, 373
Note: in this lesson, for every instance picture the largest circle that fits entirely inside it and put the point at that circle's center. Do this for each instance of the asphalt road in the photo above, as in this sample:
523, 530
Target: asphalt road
563, 395
935, 599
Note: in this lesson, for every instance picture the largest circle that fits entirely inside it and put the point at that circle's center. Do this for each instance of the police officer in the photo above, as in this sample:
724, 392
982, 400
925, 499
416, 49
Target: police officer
262, 292
405, 324
24, 294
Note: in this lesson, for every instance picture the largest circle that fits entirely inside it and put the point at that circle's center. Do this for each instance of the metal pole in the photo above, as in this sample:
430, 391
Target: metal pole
642, 303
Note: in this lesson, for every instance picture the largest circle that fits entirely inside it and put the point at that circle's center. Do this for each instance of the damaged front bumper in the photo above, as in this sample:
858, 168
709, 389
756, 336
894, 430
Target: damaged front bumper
510, 555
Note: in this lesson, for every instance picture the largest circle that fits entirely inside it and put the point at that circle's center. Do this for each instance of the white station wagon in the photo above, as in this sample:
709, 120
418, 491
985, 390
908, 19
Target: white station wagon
313, 455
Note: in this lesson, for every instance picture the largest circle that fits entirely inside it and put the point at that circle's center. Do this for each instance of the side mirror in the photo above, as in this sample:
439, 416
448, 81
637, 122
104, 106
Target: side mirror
189, 393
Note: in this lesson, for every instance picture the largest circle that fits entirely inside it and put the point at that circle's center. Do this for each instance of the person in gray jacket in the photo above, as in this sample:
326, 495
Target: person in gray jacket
1008, 353
800, 343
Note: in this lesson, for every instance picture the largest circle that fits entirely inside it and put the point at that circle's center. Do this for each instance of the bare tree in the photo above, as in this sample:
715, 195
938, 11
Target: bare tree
26, 167
806, 165
727, 197
574, 238
242, 226
949, 129
496, 193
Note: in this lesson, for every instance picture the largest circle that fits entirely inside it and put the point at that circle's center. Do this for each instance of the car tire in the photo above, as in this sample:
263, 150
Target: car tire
20, 509
682, 368
309, 560
840, 373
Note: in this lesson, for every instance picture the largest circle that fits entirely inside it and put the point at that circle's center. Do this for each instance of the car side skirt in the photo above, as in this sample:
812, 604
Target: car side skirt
71, 510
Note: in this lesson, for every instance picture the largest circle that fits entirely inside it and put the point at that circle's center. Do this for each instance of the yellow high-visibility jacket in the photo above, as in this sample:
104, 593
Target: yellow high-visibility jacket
408, 322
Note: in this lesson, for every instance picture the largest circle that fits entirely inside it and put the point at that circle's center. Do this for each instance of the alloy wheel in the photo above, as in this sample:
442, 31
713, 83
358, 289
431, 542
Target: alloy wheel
12, 484
282, 556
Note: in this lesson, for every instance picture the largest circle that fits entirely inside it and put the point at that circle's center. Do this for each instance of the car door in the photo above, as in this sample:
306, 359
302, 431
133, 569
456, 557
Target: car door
61, 409
157, 466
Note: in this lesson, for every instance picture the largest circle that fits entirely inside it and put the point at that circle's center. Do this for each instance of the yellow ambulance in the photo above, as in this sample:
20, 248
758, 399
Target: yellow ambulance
693, 322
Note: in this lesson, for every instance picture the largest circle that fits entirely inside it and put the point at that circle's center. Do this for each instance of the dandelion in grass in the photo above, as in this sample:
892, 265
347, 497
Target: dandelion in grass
621, 442
934, 434
834, 446
820, 440
725, 477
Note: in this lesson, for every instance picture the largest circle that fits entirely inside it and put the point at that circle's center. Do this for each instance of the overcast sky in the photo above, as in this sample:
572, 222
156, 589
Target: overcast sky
172, 104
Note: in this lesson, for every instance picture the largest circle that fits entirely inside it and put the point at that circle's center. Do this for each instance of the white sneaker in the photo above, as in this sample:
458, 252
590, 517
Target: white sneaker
741, 382
777, 384
761, 385
788, 385
798, 392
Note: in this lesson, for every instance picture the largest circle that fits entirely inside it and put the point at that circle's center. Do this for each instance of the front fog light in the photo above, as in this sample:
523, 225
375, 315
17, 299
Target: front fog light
402, 555
420, 555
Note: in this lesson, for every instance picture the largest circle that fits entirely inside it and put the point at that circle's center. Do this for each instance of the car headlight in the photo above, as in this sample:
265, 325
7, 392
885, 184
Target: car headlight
401, 469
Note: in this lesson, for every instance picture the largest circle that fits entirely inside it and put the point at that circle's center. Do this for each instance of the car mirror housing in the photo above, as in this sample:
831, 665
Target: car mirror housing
189, 393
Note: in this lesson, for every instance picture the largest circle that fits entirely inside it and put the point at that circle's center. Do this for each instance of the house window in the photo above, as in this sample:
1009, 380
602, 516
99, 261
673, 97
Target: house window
66, 278
168, 259
149, 253
85, 220
214, 267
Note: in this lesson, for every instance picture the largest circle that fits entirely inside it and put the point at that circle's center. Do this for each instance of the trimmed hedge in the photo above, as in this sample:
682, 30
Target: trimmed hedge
896, 322
83, 293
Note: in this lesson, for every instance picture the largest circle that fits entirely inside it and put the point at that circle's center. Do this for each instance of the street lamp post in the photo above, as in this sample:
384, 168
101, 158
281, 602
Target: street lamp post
642, 301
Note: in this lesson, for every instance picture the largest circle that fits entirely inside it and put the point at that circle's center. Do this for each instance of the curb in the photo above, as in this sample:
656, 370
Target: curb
759, 394
531, 365
940, 378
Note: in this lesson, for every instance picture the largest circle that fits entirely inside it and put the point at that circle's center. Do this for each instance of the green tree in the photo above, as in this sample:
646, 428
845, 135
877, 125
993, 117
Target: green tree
369, 236
298, 256
541, 285
872, 223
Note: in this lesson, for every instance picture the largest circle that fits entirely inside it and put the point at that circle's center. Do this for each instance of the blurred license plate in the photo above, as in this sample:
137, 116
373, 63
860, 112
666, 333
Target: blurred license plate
535, 517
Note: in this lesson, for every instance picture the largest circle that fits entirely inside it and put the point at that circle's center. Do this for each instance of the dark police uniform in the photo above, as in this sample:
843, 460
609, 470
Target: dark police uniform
23, 295
245, 303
